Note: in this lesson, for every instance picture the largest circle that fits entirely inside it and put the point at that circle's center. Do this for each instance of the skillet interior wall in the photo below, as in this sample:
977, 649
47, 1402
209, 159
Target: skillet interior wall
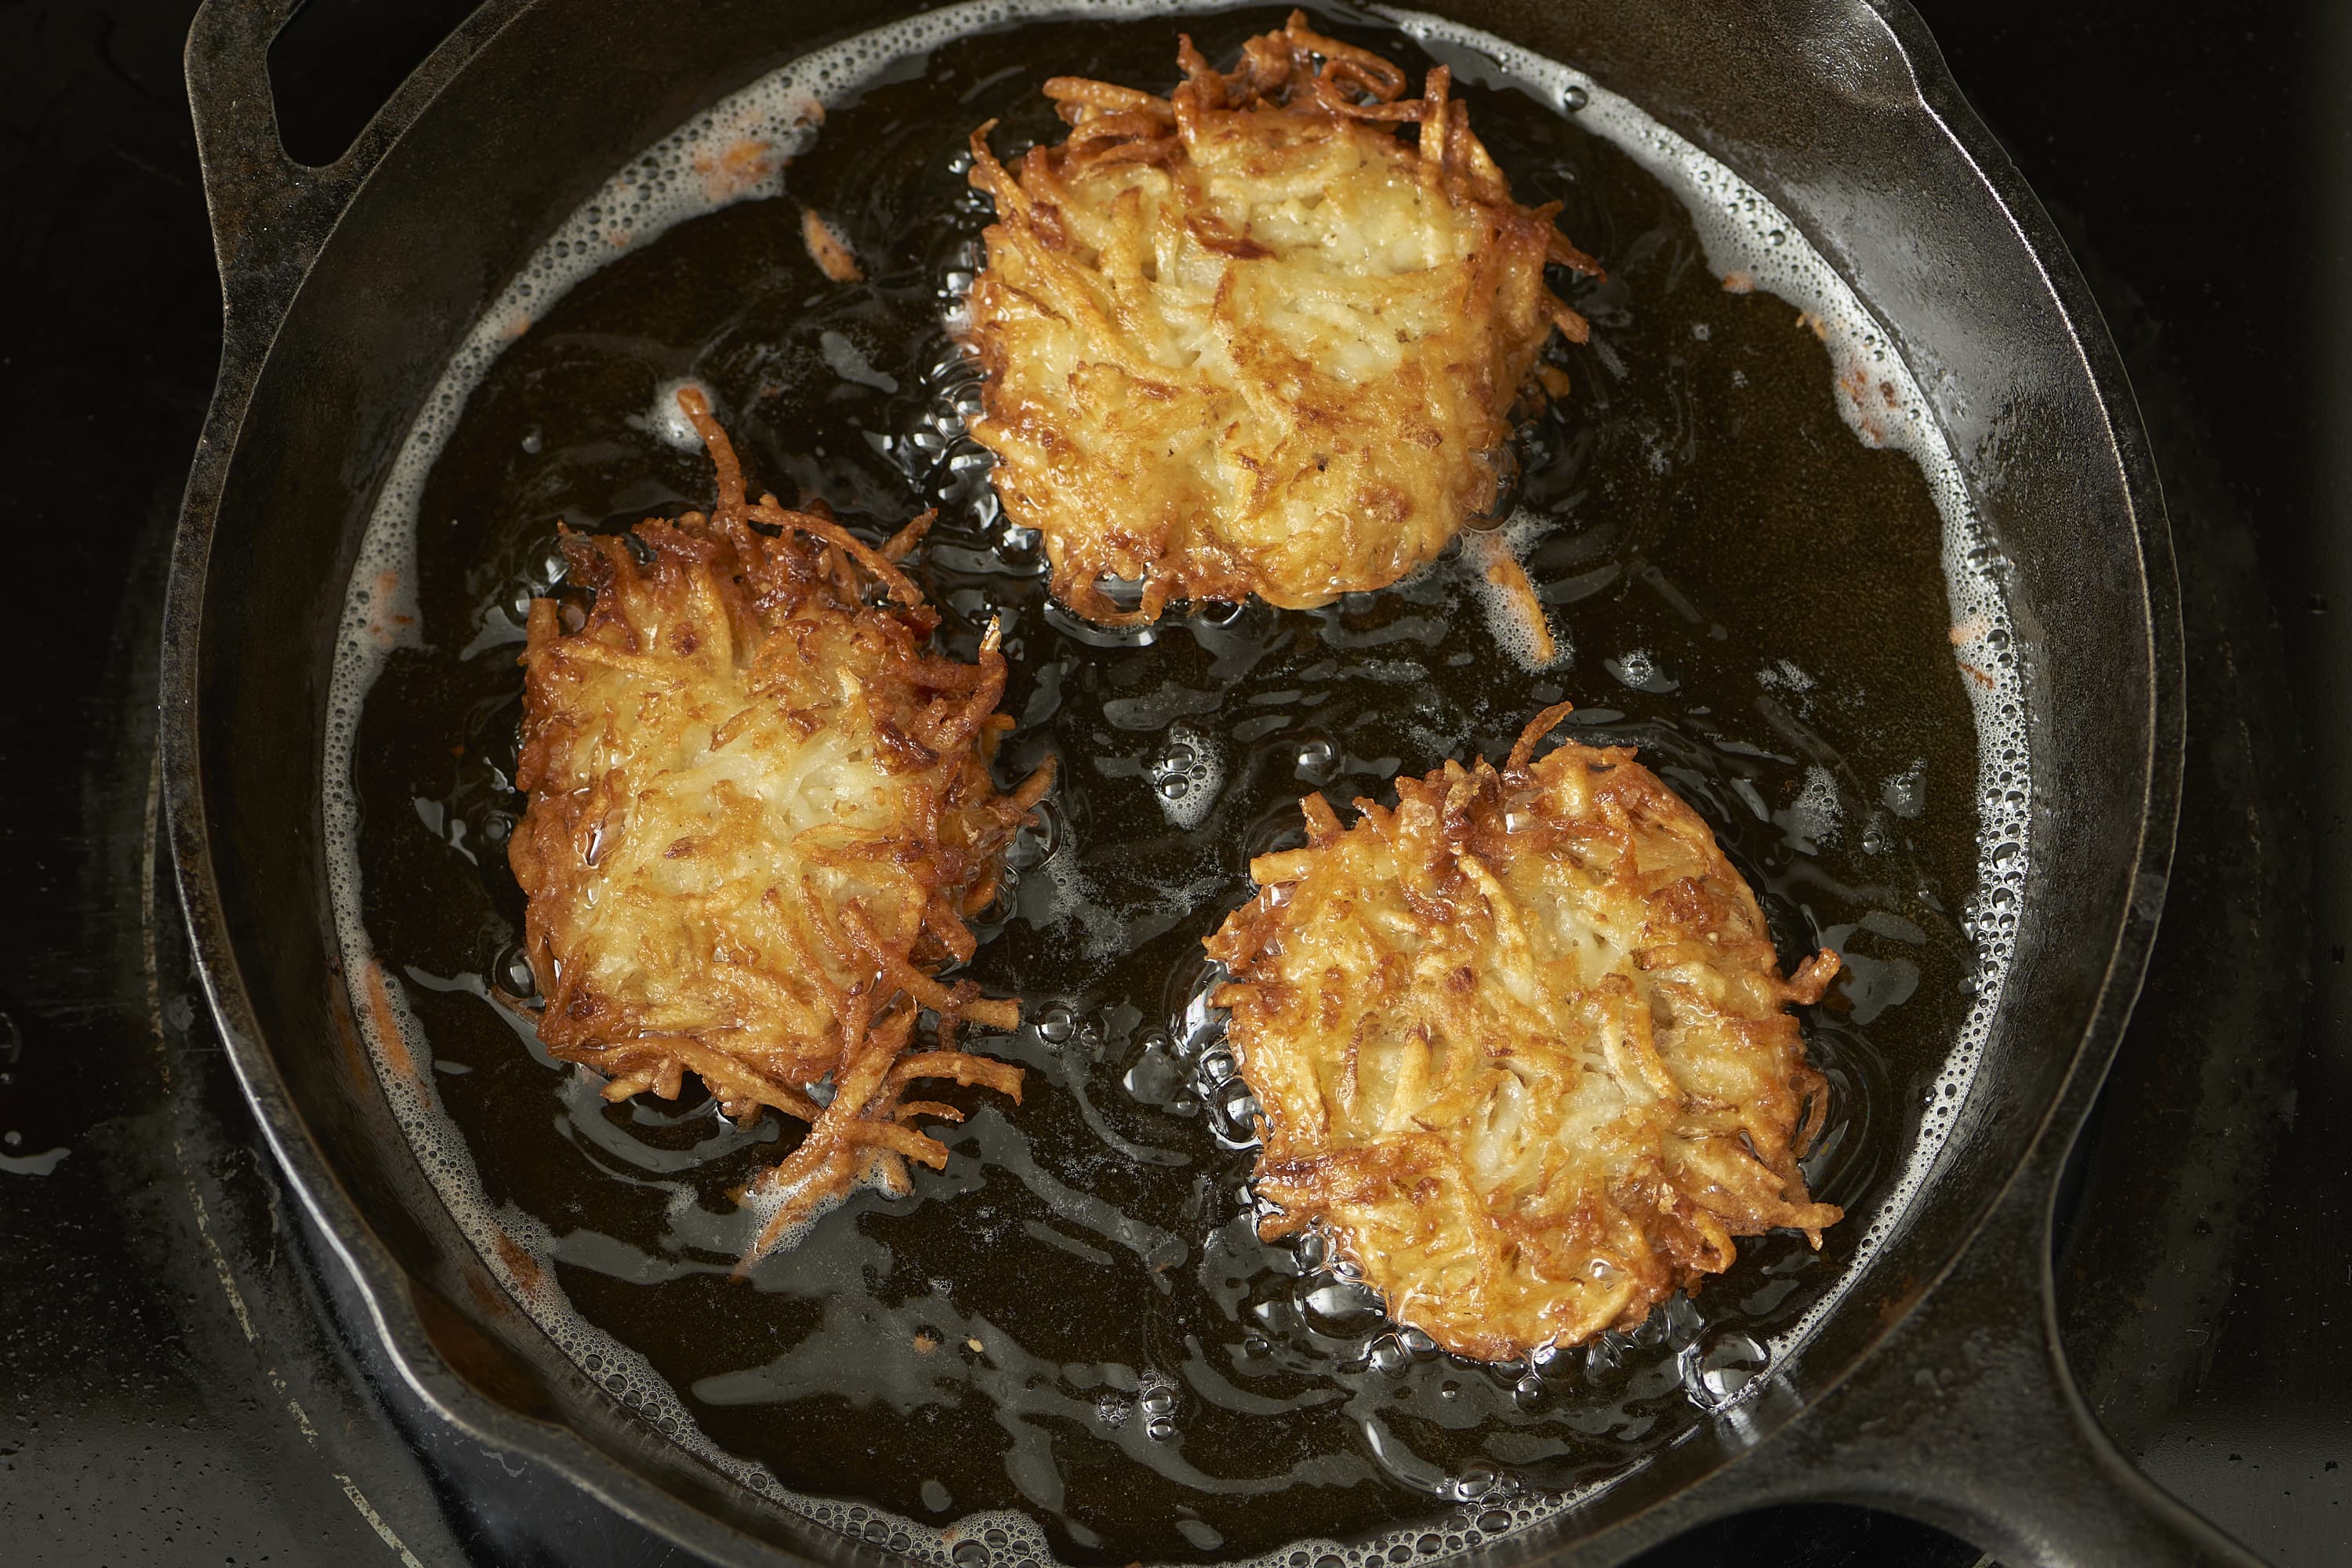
401, 279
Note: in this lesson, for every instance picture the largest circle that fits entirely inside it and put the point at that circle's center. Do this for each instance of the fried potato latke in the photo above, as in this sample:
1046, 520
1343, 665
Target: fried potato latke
1247, 337
760, 813
1522, 1048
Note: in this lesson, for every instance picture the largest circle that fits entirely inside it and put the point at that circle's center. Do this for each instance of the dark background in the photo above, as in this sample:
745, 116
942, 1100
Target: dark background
174, 1389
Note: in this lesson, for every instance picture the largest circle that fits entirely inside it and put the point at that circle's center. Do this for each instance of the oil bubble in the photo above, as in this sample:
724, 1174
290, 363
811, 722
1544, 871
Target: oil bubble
1185, 776
1715, 1372
1340, 1309
1238, 1109
513, 972
1317, 761
1036, 839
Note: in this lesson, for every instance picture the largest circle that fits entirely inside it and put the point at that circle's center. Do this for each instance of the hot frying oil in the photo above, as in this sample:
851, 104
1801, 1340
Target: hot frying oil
1075, 1321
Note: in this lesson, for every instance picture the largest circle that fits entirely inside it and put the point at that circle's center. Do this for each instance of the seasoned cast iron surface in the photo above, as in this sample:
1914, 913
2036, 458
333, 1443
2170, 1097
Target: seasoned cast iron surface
1075, 1318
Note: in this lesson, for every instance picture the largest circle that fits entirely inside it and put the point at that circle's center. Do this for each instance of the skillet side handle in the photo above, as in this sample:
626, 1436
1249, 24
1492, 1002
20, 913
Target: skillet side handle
1989, 1438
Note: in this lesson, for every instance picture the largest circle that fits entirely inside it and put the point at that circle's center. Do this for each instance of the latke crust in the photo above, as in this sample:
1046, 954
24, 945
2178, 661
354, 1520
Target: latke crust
1245, 338
1522, 1047
759, 813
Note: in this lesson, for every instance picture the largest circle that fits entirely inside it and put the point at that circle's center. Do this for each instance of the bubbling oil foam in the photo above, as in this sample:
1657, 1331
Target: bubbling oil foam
666, 421
1506, 618
737, 150
1186, 775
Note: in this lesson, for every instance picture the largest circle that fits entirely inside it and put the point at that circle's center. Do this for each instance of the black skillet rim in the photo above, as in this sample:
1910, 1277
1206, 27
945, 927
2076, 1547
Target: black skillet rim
395, 1313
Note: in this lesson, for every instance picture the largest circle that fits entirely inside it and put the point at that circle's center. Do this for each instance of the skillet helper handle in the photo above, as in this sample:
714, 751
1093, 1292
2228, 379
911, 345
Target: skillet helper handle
1989, 1438
269, 215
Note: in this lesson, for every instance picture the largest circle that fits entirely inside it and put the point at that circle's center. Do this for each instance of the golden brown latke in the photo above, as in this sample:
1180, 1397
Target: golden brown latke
759, 813
1522, 1047
1245, 338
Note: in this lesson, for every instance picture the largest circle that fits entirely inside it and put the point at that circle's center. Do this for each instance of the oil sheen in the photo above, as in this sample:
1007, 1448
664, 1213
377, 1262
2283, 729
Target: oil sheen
1761, 568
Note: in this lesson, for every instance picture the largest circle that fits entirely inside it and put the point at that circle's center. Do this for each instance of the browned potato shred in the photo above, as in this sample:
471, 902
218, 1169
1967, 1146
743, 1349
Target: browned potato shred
1249, 339
759, 815
1522, 1047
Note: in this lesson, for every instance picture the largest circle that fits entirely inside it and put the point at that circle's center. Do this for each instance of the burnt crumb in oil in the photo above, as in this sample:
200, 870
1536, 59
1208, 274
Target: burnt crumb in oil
1074, 1320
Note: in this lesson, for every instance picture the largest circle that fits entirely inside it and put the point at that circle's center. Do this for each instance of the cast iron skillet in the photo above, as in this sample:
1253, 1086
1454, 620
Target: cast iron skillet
1936, 1389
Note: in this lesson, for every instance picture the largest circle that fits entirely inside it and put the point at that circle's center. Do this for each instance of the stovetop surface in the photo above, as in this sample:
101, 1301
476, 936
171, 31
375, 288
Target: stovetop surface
182, 1381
